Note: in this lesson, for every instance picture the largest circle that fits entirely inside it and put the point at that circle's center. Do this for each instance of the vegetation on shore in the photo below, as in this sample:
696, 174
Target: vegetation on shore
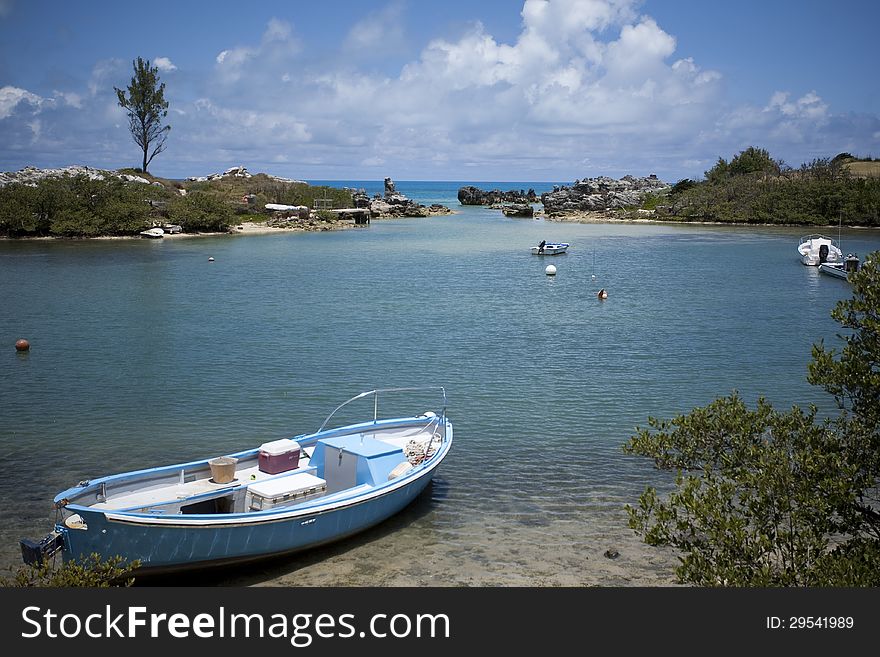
778, 498
77, 206
92, 572
753, 188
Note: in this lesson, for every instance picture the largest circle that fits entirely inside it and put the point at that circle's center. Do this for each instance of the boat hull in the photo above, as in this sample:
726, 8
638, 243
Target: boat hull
837, 271
197, 514
163, 548
814, 250
550, 249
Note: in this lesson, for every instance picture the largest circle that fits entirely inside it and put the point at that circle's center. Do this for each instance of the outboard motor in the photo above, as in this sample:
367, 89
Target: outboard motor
851, 264
36, 552
823, 253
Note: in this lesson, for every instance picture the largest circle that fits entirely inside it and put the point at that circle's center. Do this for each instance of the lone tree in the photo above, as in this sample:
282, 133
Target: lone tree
778, 498
146, 107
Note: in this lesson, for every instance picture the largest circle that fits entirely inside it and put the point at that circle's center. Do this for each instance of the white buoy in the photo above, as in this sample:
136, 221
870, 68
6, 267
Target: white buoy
551, 270
211, 259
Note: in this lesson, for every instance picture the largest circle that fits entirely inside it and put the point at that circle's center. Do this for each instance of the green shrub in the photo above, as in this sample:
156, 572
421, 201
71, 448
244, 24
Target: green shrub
89, 572
201, 211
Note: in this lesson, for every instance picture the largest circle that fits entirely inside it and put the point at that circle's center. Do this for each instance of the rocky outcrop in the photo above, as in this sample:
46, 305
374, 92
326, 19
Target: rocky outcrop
471, 195
599, 194
239, 172
381, 209
518, 210
31, 175
395, 204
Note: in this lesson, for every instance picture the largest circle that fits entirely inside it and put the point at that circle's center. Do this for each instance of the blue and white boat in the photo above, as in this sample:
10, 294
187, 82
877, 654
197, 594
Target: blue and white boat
850, 265
281, 497
550, 248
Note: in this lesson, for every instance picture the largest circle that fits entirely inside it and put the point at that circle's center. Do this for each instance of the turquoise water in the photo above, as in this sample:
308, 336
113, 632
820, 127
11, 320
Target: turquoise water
144, 353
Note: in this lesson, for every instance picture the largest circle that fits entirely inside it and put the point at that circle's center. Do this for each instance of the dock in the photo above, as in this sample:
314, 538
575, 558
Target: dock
360, 216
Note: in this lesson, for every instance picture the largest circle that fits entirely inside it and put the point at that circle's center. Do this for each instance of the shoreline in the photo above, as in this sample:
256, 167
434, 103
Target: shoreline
241, 228
600, 217
577, 217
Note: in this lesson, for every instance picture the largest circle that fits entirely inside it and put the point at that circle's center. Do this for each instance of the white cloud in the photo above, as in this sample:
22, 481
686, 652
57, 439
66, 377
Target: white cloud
810, 106
36, 127
164, 64
381, 30
234, 57
104, 74
70, 98
261, 63
586, 87
11, 97
577, 69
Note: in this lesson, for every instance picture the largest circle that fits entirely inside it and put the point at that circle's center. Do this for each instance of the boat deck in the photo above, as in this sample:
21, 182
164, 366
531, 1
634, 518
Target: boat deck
164, 493
185, 490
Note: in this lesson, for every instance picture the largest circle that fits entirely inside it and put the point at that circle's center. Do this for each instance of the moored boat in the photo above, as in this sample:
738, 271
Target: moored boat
281, 497
153, 233
816, 249
550, 248
843, 269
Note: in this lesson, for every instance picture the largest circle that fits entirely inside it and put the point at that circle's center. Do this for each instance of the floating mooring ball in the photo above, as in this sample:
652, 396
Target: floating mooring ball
551, 270
22, 345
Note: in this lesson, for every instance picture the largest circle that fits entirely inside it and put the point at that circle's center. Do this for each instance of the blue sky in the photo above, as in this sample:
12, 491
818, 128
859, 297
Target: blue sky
454, 90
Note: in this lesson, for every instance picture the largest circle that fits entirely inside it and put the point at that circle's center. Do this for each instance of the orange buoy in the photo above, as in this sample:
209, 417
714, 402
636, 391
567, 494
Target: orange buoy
22, 345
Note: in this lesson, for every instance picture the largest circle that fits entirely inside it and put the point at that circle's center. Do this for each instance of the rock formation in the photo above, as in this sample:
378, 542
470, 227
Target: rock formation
239, 172
395, 204
518, 210
471, 195
31, 175
599, 194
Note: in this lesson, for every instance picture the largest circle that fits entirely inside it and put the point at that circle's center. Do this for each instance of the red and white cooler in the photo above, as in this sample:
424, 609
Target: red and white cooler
279, 456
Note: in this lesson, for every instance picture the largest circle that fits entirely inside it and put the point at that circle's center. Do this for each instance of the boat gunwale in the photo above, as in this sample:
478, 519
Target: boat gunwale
808, 241
313, 507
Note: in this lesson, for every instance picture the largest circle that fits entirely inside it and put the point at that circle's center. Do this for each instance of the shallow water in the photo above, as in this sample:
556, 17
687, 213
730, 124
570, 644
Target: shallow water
145, 353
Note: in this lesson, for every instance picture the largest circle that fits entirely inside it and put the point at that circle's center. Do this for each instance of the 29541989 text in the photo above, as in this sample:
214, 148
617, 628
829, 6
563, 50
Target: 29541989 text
810, 623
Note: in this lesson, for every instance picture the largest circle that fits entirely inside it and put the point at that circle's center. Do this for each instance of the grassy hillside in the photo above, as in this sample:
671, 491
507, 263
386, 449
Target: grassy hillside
266, 189
863, 169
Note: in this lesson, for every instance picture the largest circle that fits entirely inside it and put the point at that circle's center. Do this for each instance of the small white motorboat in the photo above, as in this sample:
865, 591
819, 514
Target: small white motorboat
550, 248
153, 233
841, 269
816, 249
